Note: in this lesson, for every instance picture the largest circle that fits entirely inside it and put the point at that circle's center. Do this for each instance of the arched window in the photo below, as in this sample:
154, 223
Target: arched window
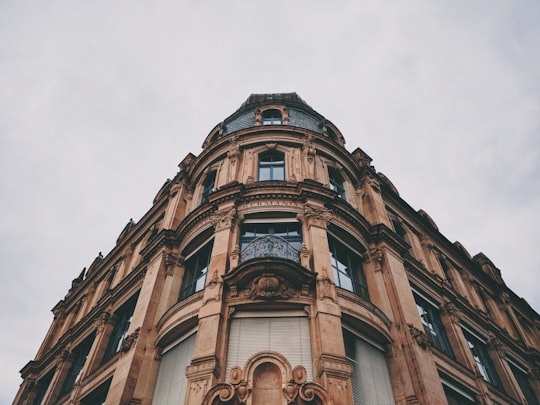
347, 268
208, 186
336, 182
271, 117
271, 166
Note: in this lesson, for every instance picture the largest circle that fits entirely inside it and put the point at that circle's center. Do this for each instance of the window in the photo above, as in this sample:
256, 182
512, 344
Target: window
98, 396
122, 318
270, 239
336, 182
285, 333
522, 379
42, 387
271, 166
481, 358
456, 396
432, 325
370, 379
195, 271
79, 355
271, 117
347, 268
208, 186
171, 380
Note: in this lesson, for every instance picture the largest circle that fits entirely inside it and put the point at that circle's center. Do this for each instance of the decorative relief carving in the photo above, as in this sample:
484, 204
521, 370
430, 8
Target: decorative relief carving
377, 258
224, 219
325, 286
452, 311
130, 340
239, 389
270, 286
419, 336
319, 215
372, 182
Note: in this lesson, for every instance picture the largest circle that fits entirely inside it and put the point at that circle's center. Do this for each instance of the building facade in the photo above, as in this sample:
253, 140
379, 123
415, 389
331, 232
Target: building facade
276, 267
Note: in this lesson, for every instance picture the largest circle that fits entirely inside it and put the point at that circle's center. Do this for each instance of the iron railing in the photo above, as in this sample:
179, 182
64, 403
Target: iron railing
269, 245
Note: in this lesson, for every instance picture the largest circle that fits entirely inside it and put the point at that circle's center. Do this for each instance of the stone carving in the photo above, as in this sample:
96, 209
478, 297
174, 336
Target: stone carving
270, 286
377, 258
325, 286
373, 183
224, 219
239, 390
419, 336
452, 311
319, 215
130, 340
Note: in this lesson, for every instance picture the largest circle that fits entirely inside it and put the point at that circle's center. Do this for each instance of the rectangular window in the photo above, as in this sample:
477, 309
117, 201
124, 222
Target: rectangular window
347, 268
522, 379
457, 397
271, 166
79, 355
287, 335
370, 379
123, 318
42, 387
433, 326
172, 381
196, 271
98, 396
481, 357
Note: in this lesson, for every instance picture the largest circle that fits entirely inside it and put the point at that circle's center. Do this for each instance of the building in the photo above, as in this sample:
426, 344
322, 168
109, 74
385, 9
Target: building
276, 267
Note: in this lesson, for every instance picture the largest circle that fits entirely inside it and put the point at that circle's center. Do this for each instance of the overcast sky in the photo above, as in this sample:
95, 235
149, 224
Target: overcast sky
100, 100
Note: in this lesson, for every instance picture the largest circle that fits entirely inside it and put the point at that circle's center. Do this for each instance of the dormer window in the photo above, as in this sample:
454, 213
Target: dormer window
271, 117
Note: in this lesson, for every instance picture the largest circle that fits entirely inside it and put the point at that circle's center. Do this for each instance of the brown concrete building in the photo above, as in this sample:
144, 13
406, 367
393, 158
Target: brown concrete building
279, 268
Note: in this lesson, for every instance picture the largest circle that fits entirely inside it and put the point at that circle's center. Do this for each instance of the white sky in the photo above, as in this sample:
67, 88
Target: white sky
100, 100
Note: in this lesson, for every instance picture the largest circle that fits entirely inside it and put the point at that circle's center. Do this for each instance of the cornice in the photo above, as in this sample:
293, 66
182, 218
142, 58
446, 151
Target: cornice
381, 233
165, 238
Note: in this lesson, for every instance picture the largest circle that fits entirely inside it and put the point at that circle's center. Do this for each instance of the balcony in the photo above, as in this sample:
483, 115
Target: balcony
269, 246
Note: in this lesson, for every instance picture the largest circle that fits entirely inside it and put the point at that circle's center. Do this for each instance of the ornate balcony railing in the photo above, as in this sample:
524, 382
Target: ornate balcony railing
269, 245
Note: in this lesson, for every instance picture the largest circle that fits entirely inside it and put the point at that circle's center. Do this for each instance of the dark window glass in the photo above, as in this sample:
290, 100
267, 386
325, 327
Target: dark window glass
42, 386
195, 271
347, 268
482, 359
432, 325
271, 166
455, 398
79, 355
208, 186
336, 182
98, 396
523, 382
123, 318
290, 231
271, 117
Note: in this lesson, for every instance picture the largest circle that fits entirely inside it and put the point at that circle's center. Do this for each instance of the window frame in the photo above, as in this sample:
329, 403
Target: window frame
195, 276
208, 186
480, 354
433, 326
272, 166
124, 317
80, 355
336, 182
271, 116
357, 278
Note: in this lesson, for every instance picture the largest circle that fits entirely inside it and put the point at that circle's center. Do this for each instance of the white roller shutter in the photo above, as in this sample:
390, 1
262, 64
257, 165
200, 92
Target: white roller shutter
288, 336
171, 382
370, 379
